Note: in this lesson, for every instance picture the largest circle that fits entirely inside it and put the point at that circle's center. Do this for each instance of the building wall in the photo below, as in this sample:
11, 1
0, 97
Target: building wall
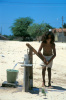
56, 37
61, 37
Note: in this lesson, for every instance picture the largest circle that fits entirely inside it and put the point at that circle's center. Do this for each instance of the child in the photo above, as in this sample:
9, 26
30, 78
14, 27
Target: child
49, 53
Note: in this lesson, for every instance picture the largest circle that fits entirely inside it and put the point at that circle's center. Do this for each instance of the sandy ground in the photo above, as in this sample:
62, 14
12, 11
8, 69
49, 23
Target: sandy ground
12, 52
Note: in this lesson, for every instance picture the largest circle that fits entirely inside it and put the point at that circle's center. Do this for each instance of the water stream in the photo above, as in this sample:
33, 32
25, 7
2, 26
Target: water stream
16, 64
22, 63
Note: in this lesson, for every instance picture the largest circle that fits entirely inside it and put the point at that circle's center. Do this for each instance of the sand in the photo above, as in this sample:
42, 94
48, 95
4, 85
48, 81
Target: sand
12, 52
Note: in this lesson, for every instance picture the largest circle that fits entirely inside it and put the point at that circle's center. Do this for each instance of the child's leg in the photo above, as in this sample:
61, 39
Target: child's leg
49, 76
43, 75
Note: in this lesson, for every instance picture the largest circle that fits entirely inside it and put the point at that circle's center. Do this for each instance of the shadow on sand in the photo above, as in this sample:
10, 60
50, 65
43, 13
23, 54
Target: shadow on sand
35, 90
58, 88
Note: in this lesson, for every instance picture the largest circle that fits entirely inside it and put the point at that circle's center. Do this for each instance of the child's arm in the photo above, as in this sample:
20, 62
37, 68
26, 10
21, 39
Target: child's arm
39, 51
54, 54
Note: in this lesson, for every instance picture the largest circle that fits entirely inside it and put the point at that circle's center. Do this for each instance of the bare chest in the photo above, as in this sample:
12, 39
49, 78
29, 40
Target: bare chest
47, 49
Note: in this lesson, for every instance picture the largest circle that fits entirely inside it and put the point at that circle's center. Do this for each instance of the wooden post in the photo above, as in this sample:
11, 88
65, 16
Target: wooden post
26, 79
30, 69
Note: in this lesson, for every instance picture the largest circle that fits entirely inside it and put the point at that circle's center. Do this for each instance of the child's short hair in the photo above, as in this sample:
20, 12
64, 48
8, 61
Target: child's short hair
45, 37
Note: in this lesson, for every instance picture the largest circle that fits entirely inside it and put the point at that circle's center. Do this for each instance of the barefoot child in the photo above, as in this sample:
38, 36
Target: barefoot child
49, 53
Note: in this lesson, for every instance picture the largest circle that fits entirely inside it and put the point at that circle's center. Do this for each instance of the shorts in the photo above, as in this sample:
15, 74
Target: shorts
47, 59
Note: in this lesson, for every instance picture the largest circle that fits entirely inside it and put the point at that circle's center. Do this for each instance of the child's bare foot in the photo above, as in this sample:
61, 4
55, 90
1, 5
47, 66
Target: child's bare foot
49, 85
43, 84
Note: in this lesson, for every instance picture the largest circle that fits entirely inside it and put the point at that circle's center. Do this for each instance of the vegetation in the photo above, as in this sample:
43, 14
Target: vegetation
38, 29
20, 27
64, 26
25, 29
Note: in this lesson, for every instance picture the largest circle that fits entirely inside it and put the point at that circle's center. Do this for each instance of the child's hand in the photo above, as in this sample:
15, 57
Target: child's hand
45, 61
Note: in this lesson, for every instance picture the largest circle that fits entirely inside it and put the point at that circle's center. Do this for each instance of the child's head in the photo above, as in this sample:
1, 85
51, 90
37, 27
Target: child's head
48, 37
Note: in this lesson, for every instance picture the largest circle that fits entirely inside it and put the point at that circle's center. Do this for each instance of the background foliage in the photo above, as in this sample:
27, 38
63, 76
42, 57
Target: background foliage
25, 27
